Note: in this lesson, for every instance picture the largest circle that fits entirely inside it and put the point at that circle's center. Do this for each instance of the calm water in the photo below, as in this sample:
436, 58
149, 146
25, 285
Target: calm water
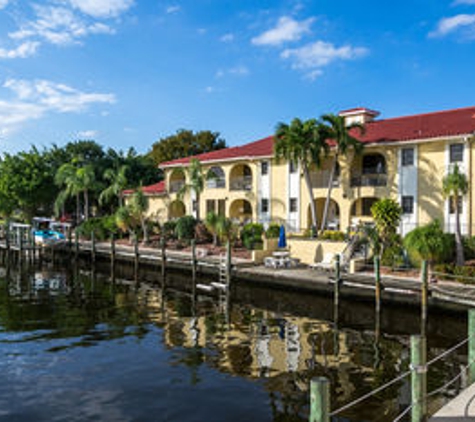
76, 347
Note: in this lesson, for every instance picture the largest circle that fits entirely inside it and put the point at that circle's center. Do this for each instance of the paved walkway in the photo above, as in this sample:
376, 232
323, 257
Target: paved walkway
460, 409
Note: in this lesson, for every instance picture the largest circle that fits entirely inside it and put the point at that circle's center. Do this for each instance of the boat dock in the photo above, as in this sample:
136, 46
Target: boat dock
460, 409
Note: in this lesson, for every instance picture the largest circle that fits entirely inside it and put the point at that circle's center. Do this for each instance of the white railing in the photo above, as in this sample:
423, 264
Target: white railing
241, 183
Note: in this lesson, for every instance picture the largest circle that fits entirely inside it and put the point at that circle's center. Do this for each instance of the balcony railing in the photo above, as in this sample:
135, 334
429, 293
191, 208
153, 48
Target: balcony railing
321, 179
176, 185
216, 183
373, 180
241, 183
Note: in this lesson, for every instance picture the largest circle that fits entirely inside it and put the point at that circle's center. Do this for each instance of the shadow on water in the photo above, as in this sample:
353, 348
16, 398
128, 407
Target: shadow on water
253, 359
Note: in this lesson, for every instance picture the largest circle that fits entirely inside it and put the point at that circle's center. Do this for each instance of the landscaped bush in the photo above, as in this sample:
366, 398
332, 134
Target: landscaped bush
469, 247
466, 272
334, 235
168, 229
251, 236
273, 231
202, 234
185, 228
103, 227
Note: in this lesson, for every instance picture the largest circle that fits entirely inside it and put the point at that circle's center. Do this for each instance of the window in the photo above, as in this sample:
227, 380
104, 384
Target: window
452, 204
407, 204
374, 164
194, 205
210, 206
265, 168
264, 205
293, 205
408, 156
292, 167
221, 207
456, 153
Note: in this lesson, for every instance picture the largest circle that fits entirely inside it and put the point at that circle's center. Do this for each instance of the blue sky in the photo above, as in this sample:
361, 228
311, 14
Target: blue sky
128, 72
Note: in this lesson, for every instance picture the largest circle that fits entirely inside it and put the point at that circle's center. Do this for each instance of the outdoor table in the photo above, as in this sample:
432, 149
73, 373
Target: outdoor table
281, 257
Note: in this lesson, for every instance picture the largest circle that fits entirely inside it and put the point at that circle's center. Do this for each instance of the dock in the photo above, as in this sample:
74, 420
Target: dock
460, 409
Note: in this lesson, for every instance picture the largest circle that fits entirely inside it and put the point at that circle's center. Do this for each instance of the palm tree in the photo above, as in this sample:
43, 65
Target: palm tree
302, 142
454, 187
211, 223
337, 131
76, 180
138, 207
118, 182
196, 184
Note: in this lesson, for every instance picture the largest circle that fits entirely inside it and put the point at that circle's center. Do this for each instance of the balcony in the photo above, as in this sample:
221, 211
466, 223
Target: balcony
241, 183
372, 180
216, 183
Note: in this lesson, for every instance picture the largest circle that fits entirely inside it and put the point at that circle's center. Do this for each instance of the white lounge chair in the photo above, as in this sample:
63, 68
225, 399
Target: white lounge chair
326, 264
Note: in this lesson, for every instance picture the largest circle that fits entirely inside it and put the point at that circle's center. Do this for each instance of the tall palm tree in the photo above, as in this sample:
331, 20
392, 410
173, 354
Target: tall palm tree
454, 187
337, 131
138, 207
118, 182
302, 142
196, 183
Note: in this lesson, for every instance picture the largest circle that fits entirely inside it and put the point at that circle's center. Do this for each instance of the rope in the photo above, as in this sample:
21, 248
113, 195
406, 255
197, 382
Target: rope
371, 393
440, 389
404, 413
448, 351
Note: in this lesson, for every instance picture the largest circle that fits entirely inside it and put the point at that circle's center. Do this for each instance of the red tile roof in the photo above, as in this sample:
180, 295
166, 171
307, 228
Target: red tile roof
420, 126
155, 189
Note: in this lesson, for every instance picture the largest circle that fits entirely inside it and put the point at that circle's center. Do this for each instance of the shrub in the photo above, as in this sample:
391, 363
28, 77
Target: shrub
469, 247
334, 235
251, 236
273, 231
103, 227
185, 227
202, 234
168, 229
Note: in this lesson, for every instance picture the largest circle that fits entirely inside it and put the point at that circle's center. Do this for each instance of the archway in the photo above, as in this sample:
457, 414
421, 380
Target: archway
177, 180
333, 216
176, 209
215, 178
240, 177
240, 210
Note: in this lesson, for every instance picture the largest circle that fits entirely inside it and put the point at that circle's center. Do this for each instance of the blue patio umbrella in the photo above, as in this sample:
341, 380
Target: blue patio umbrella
282, 240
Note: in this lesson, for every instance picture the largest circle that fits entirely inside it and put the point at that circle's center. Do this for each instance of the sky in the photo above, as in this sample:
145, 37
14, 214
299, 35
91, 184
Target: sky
126, 73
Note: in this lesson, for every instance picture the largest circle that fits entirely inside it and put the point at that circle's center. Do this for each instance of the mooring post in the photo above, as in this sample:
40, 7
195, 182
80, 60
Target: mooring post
113, 250
319, 400
93, 247
418, 378
337, 280
70, 241
136, 257
377, 283
471, 346
193, 260
163, 244
7, 236
228, 266
424, 291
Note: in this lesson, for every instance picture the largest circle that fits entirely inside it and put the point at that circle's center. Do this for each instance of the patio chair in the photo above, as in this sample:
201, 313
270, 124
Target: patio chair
326, 264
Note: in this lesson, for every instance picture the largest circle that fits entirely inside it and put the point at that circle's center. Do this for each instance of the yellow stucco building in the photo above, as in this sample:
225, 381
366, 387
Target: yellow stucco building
404, 158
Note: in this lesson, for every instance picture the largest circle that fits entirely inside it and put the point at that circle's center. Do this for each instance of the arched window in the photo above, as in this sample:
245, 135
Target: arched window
215, 178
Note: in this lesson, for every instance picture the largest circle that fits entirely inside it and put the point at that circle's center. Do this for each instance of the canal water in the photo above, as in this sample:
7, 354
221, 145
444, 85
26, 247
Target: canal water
78, 346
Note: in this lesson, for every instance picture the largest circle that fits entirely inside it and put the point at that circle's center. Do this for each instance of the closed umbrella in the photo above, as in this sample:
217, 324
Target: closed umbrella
282, 240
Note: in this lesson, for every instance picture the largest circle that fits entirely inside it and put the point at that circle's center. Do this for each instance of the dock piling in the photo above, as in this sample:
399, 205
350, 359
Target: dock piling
471, 346
163, 244
418, 378
136, 257
319, 400
93, 247
424, 292
377, 281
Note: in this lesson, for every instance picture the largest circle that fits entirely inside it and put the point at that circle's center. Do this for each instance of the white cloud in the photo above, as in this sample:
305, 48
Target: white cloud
287, 29
87, 134
102, 8
227, 38
313, 57
58, 25
452, 24
24, 50
36, 99
173, 9
469, 2
235, 71
3, 4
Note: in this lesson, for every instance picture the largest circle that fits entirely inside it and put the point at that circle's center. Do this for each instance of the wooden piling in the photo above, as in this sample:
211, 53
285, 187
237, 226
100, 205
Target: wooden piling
136, 258
319, 400
93, 247
228, 271
193, 270
418, 378
336, 289
76, 243
163, 244
471, 346
377, 284
424, 292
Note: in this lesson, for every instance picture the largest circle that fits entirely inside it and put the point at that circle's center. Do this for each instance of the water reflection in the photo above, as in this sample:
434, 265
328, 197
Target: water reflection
275, 340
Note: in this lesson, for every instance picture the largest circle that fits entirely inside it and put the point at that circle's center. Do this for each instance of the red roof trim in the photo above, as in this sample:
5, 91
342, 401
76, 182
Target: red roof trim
155, 189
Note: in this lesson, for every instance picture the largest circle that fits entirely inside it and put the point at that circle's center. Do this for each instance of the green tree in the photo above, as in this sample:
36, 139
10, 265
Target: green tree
302, 142
138, 208
195, 183
337, 131
185, 143
454, 187
387, 216
429, 242
117, 178
211, 223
